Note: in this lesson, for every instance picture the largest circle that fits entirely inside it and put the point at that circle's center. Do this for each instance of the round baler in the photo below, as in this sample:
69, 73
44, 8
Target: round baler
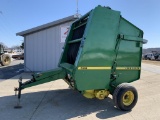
101, 56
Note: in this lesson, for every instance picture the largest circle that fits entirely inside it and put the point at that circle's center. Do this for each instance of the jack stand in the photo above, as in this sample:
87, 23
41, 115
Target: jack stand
15, 89
18, 106
19, 93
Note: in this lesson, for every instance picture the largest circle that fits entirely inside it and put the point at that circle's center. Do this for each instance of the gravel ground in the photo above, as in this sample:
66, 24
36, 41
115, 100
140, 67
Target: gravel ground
153, 62
55, 101
15, 68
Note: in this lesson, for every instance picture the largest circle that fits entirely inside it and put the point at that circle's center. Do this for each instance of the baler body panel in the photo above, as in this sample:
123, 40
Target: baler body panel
98, 50
129, 52
100, 44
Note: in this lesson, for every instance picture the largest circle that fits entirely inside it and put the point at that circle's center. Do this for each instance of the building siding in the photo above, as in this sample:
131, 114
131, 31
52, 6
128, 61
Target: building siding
43, 48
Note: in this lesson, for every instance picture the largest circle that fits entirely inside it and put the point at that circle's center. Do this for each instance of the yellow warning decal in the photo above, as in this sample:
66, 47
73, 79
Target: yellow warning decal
128, 68
94, 68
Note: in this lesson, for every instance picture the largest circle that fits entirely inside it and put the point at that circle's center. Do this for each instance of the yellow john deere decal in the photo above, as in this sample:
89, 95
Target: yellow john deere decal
128, 68
94, 68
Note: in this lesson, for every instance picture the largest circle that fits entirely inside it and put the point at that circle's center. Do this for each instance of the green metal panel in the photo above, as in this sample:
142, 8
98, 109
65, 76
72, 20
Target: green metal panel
98, 50
129, 52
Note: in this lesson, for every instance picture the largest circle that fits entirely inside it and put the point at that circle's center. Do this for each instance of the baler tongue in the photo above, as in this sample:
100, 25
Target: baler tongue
39, 78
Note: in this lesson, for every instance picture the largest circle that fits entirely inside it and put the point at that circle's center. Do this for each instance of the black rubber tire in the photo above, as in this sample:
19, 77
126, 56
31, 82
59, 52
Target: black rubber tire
6, 60
119, 93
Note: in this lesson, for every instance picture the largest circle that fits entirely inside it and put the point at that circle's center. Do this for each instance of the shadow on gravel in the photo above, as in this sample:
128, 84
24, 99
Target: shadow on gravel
57, 105
11, 71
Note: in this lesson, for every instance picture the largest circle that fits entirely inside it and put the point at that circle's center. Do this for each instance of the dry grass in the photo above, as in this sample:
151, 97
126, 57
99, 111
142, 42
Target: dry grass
151, 62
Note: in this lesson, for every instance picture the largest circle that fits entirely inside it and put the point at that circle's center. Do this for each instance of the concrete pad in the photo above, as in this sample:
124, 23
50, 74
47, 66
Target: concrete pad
55, 101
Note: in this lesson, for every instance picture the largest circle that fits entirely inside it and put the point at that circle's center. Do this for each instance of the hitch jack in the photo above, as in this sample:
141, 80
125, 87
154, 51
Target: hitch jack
19, 93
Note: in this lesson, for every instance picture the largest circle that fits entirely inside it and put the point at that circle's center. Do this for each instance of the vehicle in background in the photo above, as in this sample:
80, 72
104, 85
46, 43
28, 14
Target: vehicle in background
158, 57
18, 57
144, 56
150, 56
17, 51
5, 59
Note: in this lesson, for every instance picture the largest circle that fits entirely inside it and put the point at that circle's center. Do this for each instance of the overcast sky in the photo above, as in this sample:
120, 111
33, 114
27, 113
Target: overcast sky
20, 15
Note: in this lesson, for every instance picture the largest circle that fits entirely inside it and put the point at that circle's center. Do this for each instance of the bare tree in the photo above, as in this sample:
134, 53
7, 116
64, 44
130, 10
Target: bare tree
16, 47
22, 45
5, 46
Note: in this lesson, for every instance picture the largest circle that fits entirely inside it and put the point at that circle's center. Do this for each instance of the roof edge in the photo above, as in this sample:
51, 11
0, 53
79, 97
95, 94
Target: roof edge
48, 25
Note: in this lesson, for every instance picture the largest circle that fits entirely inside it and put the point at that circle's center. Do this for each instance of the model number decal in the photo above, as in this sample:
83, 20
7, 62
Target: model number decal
128, 68
108, 68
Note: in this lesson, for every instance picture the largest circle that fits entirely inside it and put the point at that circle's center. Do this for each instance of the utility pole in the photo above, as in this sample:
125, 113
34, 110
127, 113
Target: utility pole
77, 8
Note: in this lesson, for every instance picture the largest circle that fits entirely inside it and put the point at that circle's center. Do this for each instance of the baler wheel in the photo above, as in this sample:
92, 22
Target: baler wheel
125, 96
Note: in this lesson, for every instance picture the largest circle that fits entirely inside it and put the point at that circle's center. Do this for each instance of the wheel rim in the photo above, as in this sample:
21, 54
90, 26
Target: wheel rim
128, 98
6, 60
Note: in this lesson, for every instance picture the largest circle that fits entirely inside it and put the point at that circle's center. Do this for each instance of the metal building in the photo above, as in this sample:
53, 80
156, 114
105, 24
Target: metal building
43, 44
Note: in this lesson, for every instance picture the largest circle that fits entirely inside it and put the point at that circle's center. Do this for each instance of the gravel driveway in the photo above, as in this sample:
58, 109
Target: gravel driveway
55, 101
15, 68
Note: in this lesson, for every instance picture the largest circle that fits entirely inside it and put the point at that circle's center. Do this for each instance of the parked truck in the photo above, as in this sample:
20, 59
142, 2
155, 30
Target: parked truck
5, 59
151, 56
101, 56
